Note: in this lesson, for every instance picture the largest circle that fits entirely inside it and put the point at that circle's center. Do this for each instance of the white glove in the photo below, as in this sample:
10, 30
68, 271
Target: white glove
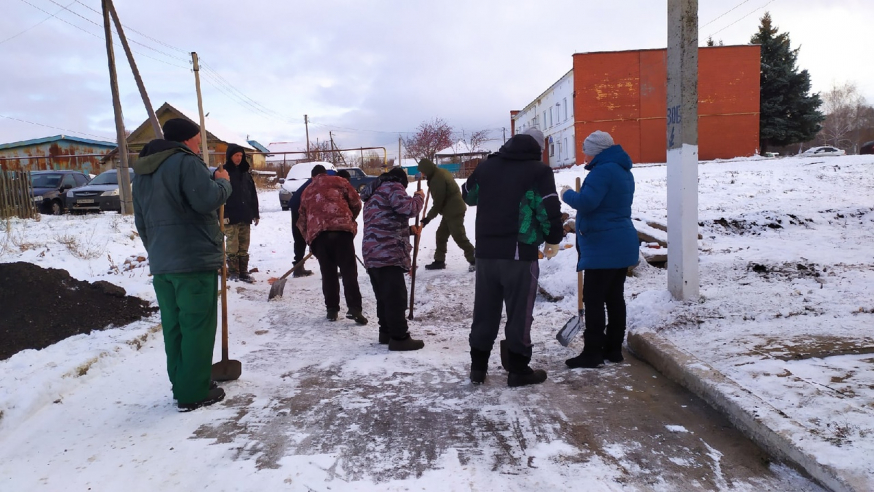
563, 189
550, 250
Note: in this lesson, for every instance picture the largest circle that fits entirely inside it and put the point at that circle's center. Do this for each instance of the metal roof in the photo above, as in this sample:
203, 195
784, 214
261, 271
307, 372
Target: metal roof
37, 141
258, 147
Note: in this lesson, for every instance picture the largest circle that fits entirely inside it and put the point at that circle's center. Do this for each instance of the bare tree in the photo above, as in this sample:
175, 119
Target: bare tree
430, 137
845, 111
320, 151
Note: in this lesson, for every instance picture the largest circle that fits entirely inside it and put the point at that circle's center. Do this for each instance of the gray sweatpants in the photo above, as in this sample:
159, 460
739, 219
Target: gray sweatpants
498, 283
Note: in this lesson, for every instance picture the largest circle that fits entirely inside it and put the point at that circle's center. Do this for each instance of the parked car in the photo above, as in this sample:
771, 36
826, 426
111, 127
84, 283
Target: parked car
100, 195
823, 151
48, 188
867, 148
297, 175
359, 178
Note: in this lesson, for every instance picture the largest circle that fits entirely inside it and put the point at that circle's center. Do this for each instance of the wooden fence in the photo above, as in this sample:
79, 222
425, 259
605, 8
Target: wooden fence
16, 199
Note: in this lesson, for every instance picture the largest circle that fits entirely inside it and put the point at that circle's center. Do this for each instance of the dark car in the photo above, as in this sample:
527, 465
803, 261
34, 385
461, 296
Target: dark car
100, 195
867, 148
357, 177
48, 188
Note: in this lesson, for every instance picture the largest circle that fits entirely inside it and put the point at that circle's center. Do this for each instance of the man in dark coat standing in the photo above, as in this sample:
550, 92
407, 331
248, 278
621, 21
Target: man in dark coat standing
175, 204
518, 209
300, 244
240, 211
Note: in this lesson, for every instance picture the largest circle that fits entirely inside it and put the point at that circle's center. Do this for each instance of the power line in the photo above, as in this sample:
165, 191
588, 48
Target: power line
138, 32
53, 127
723, 14
744, 17
38, 23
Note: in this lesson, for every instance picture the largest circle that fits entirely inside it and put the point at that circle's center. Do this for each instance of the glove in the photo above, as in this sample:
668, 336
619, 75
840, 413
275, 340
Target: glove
425, 221
563, 189
550, 250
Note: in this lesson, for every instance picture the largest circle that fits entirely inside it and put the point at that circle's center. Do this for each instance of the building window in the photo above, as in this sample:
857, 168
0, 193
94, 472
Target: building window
544, 120
559, 149
551, 149
566, 147
564, 105
550, 116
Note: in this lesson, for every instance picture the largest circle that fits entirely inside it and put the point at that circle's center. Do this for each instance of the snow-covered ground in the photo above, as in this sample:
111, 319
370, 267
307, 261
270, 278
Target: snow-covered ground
786, 268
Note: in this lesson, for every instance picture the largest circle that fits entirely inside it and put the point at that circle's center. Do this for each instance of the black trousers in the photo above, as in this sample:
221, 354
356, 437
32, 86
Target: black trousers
300, 244
390, 290
604, 287
335, 249
498, 283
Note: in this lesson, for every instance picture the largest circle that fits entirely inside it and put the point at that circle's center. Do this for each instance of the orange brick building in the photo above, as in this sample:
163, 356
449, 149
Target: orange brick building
625, 94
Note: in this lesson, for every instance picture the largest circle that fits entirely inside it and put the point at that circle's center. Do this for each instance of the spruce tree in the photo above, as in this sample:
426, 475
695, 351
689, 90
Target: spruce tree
788, 112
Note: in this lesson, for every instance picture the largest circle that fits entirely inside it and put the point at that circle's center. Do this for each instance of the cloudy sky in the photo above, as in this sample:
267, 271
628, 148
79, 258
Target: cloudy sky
365, 70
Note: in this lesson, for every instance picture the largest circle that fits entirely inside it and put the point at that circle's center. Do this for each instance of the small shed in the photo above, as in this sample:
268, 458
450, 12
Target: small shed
57, 152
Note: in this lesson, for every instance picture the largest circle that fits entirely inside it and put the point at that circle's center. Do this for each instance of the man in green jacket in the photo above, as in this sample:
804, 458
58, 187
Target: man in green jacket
175, 203
447, 201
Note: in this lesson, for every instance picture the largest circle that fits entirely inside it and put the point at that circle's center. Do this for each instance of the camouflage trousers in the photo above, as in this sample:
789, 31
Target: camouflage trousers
237, 245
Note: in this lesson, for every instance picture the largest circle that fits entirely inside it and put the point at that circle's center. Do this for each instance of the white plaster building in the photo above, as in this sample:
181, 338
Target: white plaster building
553, 113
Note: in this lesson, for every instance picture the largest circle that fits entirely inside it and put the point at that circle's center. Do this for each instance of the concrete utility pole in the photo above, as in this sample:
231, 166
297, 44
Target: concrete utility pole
682, 140
124, 191
306, 124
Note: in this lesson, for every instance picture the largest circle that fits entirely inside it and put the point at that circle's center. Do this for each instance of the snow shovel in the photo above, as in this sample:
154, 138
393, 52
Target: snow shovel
226, 369
576, 323
279, 286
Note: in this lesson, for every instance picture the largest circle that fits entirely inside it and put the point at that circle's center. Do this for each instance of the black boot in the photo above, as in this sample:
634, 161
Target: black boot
584, 360
301, 272
436, 265
521, 373
355, 314
233, 268
505, 360
479, 365
215, 395
333, 314
243, 265
405, 345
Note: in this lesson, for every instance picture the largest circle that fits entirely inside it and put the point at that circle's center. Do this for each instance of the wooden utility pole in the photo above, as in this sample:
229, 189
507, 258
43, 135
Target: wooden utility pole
156, 126
400, 159
204, 149
124, 191
306, 124
682, 145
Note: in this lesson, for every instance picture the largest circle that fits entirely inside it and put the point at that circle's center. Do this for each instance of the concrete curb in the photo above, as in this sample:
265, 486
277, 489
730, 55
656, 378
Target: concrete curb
757, 419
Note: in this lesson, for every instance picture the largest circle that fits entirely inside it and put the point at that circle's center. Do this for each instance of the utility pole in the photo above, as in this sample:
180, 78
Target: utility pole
124, 191
156, 126
400, 159
505, 134
682, 145
204, 149
306, 124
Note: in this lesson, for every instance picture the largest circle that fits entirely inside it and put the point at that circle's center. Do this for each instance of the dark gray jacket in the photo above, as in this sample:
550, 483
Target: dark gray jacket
175, 205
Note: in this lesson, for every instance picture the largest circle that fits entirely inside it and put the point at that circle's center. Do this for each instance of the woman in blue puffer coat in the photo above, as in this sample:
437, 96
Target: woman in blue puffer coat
608, 245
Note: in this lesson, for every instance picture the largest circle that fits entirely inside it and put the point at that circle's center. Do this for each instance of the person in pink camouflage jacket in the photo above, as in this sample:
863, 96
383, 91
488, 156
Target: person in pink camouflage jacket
386, 247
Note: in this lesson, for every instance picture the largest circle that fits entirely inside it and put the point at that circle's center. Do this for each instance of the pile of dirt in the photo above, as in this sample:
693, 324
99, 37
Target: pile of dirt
43, 306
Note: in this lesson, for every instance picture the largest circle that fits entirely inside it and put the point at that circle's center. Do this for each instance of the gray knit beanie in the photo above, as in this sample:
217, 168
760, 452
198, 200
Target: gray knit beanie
537, 134
596, 142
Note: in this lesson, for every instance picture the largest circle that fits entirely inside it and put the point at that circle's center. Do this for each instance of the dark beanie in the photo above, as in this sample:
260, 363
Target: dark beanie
180, 130
400, 175
317, 169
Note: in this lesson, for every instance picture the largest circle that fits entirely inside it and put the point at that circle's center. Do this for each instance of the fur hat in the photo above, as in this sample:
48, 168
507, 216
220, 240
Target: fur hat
180, 130
596, 142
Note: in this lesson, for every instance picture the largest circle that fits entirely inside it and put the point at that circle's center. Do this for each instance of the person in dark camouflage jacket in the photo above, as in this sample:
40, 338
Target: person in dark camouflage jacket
386, 248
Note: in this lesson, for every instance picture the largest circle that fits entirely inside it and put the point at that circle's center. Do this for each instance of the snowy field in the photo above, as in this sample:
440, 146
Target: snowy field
786, 268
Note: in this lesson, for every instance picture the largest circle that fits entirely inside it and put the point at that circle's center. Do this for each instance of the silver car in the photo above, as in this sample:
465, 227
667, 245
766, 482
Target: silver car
100, 195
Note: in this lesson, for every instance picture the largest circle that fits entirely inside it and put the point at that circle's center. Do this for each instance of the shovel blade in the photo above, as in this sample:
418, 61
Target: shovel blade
569, 330
277, 288
227, 370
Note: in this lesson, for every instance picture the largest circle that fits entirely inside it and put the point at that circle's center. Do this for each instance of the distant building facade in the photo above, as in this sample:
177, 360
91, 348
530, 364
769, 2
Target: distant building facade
625, 94
57, 152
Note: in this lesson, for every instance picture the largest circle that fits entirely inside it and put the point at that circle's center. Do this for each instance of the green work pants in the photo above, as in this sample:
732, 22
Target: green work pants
188, 303
453, 226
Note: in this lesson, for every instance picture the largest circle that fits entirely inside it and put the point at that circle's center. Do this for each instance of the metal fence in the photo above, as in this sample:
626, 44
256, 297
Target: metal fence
16, 199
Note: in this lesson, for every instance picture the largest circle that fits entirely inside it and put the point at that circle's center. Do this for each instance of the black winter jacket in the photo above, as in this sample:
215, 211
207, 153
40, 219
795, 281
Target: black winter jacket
242, 206
517, 205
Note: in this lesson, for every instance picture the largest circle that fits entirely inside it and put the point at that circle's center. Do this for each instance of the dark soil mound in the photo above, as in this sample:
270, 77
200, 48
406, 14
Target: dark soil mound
43, 306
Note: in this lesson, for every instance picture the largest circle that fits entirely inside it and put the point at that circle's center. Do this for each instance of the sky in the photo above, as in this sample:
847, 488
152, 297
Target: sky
366, 72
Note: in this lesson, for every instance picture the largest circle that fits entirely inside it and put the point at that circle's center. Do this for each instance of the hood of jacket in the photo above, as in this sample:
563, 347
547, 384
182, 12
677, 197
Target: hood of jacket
229, 164
613, 154
396, 175
521, 147
155, 153
427, 167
